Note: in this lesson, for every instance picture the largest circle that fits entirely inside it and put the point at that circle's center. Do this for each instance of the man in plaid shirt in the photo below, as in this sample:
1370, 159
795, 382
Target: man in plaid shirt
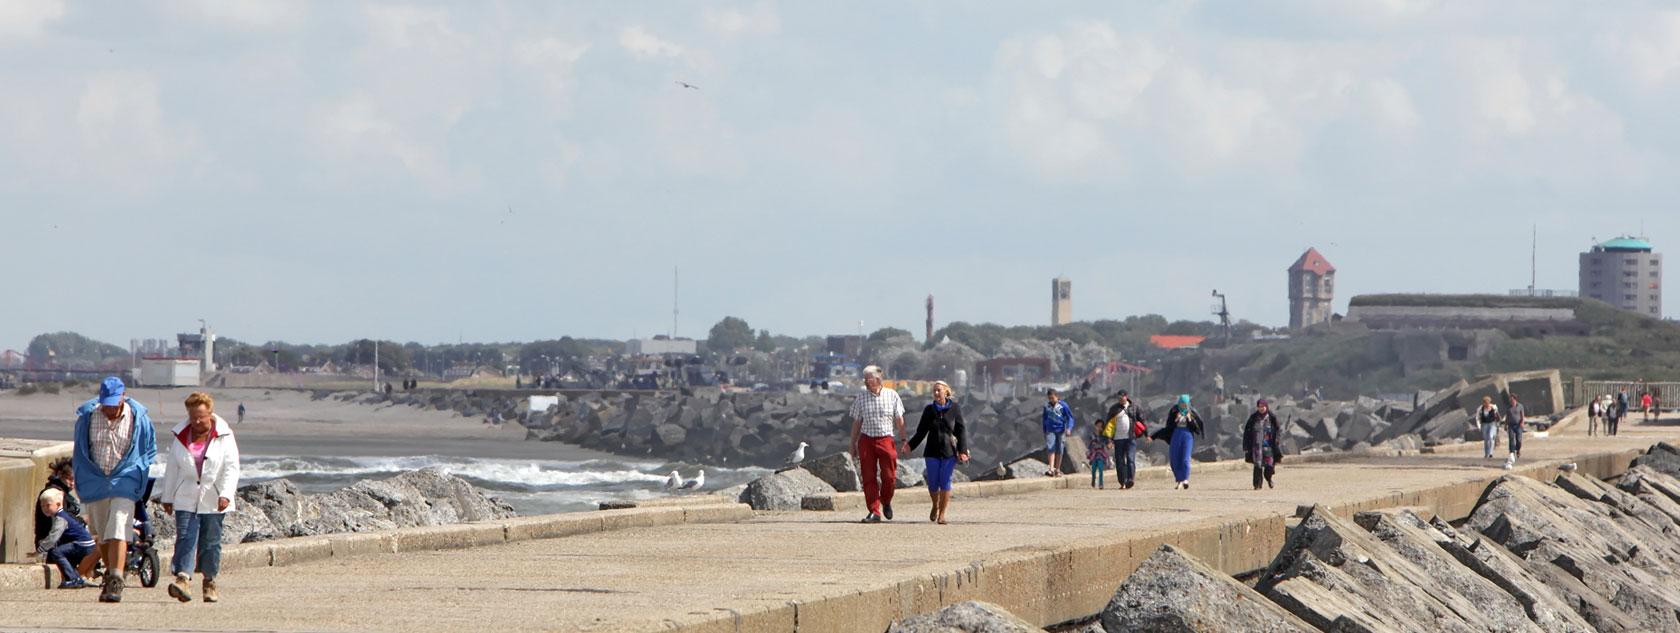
113, 451
876, 415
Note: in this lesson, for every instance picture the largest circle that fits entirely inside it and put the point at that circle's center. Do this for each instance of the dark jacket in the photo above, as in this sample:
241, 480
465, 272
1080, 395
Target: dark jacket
62, 528
1134, 412
1252, 430
43, 524
1175, 418
935, 426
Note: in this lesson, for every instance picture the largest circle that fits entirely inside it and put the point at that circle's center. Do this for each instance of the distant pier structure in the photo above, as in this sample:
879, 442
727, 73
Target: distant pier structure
1311, 290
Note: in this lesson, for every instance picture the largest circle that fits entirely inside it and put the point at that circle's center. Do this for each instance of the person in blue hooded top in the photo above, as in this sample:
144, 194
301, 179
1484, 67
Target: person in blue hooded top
1183, 426
113, 452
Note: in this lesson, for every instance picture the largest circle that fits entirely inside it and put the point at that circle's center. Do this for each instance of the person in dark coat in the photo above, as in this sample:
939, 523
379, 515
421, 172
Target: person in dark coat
947, 443
1182, 427
62, 478
1124, 417
1261, 436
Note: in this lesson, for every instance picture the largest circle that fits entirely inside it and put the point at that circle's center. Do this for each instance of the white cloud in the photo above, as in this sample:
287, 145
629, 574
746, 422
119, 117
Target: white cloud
125, 139
247, 14
760, 20
644, 44
27, 19
1649, 48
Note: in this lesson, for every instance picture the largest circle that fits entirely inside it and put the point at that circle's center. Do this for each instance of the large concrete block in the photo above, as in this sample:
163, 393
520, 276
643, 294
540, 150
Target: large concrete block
242, 556
17, 513
301, 550
553, 526
725, 513
363, 544
438, 537
26, 576
1017, 582
872, 609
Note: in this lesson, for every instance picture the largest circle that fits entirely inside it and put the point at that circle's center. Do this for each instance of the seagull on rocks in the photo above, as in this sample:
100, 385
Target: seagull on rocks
798, 455
674, 481
696, 483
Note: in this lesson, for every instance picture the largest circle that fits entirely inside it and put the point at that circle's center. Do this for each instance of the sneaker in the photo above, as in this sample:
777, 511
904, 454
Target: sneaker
886, 511
210, 593
112, 591
872, 518
179, 589
74, 584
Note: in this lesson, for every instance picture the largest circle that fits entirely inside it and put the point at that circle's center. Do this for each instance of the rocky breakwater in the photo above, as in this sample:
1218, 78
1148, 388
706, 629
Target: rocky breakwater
762, 429
278, 509
1570, 554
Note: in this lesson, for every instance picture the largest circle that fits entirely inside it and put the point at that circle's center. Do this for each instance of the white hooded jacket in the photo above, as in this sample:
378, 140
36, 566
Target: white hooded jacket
184, 486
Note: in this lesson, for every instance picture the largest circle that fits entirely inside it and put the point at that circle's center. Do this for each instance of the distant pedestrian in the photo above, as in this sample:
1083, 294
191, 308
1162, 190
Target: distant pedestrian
241, 413
1595, 408
1182, 426
1126, 426
1612, 415
113, 451
1515, 417
877, 414
1621, 406
1260, 442
1057, 423
1487, 416
200, 481
1645, 401
947, 443
1096, 453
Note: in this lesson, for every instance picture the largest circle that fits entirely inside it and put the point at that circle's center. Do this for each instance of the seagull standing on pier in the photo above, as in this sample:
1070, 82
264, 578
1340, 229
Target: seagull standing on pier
674, 481
798, 455
695, 483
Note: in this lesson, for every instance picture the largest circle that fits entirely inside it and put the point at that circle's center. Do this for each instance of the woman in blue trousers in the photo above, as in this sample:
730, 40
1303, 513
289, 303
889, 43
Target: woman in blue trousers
1182, 427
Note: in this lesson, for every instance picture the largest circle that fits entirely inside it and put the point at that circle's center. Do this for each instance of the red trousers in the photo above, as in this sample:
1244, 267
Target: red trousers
877, 455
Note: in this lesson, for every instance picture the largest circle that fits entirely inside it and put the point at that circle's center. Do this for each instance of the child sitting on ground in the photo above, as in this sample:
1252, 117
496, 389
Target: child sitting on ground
67, 542
1097, 454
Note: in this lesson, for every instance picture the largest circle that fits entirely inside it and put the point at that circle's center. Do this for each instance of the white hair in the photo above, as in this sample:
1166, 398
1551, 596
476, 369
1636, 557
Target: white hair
52, 495
872, 370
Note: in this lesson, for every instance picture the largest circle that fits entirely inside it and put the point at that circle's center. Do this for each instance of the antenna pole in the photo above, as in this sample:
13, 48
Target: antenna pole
1533, 258
675, 285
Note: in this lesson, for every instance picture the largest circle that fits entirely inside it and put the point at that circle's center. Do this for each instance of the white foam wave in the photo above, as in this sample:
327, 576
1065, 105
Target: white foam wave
524, 473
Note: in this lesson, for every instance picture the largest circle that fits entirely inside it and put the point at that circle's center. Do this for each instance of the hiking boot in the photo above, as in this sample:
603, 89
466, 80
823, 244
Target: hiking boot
210, 594
179, 589
113, 588
886, 511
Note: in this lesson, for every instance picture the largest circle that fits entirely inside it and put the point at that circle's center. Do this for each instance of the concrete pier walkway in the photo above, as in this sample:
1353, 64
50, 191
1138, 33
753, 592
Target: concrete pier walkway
1048, 556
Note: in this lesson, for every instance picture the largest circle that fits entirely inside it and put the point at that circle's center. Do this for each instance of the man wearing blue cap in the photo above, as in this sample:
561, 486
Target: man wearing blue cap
113, 454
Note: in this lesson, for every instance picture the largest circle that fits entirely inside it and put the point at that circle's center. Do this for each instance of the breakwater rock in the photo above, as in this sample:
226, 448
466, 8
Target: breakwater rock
762, 429
278, 509
1566, 555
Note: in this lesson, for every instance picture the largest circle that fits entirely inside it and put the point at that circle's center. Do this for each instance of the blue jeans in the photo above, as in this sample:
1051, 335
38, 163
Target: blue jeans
198, 544
1125, 461
1516, 433
1490, 438
66, 556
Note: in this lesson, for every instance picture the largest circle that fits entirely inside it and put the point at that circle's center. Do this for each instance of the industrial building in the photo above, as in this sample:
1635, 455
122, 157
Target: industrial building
1624, 272
661, 346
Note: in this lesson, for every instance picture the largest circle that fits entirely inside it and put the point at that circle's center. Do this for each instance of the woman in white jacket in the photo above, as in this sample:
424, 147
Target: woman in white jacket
199, 484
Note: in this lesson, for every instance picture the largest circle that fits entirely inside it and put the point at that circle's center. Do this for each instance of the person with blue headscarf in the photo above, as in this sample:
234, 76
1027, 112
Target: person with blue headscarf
1182, 427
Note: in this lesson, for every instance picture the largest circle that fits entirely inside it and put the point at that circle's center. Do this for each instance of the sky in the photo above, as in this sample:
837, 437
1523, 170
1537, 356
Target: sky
513, 171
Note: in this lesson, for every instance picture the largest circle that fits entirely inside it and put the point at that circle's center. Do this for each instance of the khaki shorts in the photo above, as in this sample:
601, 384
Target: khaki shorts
111, 519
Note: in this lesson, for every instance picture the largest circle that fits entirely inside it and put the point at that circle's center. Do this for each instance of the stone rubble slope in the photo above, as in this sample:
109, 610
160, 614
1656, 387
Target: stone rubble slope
1572, 554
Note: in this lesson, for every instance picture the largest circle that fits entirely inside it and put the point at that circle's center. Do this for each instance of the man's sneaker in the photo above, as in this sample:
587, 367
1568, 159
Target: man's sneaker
886, 511
872, 518
113, 588
179, 589
73, 584
210, 593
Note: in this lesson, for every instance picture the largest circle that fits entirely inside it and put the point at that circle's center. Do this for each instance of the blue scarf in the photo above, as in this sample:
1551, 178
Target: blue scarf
947, 407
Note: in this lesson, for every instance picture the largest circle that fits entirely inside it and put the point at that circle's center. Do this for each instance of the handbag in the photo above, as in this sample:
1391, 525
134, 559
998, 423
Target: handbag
1138, 428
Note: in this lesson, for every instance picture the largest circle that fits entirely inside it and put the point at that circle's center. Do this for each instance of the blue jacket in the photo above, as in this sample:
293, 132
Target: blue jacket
93, 484
1060, 419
